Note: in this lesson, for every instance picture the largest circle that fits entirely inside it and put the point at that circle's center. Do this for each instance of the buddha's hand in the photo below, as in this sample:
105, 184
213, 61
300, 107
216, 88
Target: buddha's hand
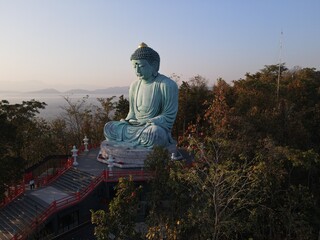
135, 122
124, 121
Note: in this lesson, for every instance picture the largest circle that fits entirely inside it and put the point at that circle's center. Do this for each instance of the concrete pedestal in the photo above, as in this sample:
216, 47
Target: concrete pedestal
126, 156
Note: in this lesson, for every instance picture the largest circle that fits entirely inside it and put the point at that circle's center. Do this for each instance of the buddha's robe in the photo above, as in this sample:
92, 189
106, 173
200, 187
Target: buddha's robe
152, 112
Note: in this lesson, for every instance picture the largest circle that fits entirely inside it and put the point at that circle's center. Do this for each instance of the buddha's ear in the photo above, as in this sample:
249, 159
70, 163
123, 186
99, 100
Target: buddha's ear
155, 66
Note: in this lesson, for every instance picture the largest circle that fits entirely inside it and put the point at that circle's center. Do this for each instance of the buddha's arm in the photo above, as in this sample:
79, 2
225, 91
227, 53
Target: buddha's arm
131, 114
169, 98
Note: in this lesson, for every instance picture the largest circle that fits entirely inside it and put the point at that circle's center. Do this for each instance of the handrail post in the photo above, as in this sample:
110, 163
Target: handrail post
106, 174
78, 195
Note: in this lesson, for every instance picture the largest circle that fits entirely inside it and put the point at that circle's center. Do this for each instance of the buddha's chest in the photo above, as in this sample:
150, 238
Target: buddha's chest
145, 97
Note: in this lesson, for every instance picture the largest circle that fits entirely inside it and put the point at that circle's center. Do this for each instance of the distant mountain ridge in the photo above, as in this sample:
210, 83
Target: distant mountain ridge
46, 90
111, 90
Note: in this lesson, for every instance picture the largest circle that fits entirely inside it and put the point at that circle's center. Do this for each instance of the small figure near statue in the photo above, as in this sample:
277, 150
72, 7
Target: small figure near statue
153, 106
31, 184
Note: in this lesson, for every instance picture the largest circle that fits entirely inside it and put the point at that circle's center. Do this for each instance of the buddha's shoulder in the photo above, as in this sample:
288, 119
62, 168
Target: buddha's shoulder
164, 80
134, 84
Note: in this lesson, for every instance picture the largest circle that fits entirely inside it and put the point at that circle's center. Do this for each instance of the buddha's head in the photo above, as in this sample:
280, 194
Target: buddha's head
146, 62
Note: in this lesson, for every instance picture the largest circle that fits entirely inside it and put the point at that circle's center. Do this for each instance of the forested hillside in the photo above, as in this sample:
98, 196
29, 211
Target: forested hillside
255, 144
255, 173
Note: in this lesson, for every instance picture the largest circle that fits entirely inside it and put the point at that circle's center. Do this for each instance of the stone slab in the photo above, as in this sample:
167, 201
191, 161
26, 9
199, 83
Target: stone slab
49, 194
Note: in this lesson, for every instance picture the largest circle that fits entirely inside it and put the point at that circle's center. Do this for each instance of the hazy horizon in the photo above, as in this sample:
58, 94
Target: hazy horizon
87, 44
74, 90
55, 101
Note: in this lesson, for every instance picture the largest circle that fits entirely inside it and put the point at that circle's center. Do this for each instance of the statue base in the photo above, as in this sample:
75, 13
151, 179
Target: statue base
126, 156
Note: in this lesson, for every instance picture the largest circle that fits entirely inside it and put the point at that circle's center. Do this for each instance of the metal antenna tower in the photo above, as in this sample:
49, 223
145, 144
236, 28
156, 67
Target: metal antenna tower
279, 70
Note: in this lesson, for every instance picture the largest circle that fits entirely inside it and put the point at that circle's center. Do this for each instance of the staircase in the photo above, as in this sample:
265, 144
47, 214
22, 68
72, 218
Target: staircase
18, 214
20, 218
73, 181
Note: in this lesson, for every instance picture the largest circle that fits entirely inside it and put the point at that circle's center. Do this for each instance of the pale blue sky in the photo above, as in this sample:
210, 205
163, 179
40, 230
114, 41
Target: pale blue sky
66, 44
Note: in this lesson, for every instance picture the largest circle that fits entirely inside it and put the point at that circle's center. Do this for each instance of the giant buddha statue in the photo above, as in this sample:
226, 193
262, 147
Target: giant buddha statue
153, 100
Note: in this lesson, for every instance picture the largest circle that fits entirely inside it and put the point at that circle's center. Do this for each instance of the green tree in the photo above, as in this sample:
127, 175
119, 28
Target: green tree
122, 108
81, 119
76, 114
167, 199
193, 99
18, 142
23, 117
119, 221
206, 200
268, 133
102, 115
11, 164
268, 142
60, 136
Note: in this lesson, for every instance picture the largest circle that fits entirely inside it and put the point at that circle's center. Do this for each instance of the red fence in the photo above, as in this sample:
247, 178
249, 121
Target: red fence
14, 191
55, 206
40, 181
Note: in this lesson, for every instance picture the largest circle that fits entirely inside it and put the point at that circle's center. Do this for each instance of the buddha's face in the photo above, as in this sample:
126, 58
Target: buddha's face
144, 70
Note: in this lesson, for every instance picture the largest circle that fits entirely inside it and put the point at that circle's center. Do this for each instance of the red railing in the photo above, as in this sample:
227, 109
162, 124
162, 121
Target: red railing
42, 181
106, 175
12, 193
15, 191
